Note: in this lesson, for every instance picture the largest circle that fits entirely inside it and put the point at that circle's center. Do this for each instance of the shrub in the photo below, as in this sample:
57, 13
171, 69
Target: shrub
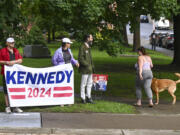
110, 43
35, 37
61, 34
76, 44
113, 49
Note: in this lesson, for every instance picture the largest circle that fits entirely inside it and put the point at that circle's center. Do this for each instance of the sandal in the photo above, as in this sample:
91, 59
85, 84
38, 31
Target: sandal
151, 105
137, 105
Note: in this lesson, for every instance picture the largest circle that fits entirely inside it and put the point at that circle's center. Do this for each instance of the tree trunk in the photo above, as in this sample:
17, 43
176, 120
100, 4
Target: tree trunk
53, 34
125, 36
136, 35
176, 59
49, 35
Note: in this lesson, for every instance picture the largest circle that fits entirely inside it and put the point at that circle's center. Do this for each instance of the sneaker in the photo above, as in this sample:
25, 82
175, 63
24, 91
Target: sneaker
8, 110
18, 110
89, 100
83, 101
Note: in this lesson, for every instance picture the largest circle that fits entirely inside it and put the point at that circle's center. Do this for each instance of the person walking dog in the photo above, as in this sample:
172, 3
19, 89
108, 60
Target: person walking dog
143, 76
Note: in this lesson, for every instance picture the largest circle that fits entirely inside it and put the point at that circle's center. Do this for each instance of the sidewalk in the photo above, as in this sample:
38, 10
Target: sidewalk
164, 107
57, 131
163, 119
110, 121
101, 124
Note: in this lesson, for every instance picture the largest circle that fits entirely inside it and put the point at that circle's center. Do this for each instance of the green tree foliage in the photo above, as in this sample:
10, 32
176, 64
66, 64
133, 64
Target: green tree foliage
35, 37
79, 17
11, 21
165, 8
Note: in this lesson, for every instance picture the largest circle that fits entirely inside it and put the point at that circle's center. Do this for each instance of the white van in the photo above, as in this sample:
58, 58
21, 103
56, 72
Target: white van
162, 24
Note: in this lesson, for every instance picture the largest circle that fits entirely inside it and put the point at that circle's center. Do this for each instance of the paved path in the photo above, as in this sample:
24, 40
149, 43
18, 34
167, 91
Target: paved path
145, 43
110, 121
58, 131
101, 124
164, 107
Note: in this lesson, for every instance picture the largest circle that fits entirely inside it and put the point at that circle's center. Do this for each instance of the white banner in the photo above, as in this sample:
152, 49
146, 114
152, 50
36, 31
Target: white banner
40, 86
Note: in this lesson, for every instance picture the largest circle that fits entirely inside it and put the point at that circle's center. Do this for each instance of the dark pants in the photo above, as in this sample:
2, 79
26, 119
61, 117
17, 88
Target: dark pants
153, 44
4, 86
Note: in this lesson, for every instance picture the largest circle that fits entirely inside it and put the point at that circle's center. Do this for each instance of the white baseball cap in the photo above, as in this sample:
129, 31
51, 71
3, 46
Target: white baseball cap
66, 40
10, 40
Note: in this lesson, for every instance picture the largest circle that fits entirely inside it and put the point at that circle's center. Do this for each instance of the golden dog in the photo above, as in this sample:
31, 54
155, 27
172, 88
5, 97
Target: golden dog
159, 85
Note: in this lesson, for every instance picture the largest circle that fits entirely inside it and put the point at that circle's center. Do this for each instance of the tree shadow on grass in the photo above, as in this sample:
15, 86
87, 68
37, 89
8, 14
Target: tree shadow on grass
166, 68
114, 68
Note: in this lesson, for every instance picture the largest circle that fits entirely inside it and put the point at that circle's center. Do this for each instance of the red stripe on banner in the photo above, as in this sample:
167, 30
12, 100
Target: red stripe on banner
16, 89
62, 88
18, 97
62, 95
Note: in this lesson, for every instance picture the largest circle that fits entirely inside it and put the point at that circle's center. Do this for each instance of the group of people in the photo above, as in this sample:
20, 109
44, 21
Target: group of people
10, 56
143, 69
85, 64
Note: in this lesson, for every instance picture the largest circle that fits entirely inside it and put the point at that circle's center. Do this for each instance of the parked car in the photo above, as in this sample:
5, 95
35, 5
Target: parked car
161, 36
162, 24
168, 41
144, 19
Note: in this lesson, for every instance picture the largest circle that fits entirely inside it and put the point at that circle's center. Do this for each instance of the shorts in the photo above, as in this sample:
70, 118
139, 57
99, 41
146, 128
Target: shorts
4, 86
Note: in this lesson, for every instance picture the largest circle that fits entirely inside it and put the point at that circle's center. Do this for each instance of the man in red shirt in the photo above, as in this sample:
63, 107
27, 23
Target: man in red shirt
9, 56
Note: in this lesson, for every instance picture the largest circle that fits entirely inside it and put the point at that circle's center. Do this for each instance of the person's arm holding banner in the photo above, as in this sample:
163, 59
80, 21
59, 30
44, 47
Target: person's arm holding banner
11, 63
73, 61
64, 55
4, 62
18, 60
55, 58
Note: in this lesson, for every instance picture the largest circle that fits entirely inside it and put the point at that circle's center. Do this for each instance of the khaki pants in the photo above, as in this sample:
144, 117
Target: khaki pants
86, 82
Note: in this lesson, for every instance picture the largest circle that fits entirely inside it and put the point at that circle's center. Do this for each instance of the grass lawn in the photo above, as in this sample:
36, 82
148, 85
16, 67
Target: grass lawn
121, 74
100, 106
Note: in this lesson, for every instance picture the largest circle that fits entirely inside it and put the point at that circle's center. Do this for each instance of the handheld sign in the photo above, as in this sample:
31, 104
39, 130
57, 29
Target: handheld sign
40, 86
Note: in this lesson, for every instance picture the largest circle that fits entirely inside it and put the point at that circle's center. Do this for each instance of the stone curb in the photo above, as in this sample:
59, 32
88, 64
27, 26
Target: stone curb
47, 131
138, 114
150, 132
26, 130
